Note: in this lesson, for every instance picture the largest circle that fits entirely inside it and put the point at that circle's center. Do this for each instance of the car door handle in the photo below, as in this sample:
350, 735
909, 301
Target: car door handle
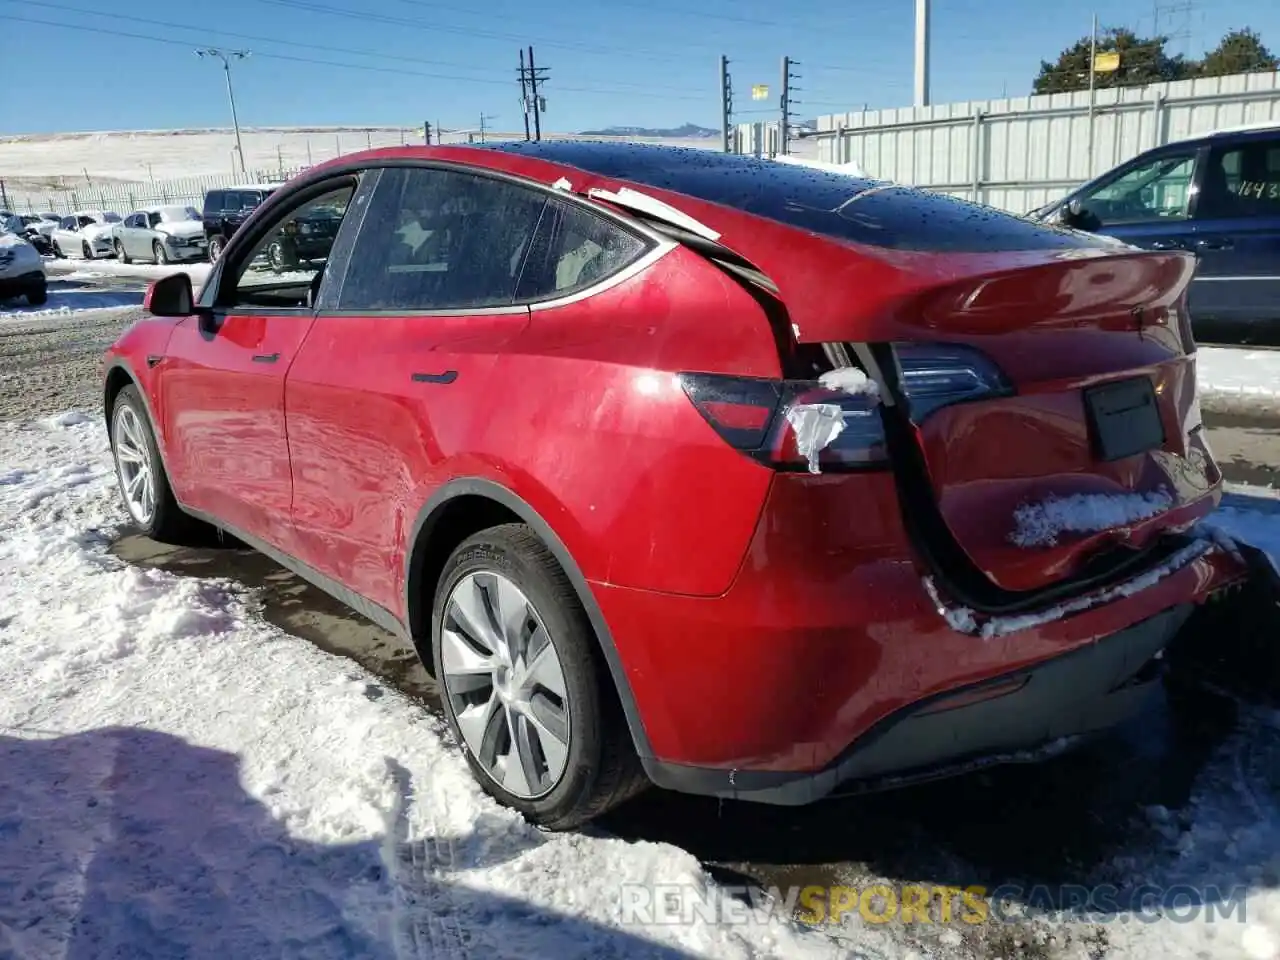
266, 357
1222, 243
447, 377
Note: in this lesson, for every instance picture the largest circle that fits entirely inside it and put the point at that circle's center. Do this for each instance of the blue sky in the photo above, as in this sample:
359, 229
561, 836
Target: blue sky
612, 62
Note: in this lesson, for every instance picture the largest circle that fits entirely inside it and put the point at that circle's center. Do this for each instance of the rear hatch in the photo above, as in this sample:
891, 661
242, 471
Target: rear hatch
1052, 408
1036, 385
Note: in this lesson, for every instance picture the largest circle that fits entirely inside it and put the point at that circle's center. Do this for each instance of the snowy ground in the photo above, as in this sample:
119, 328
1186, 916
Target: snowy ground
180, 778
46, 161
1240, 377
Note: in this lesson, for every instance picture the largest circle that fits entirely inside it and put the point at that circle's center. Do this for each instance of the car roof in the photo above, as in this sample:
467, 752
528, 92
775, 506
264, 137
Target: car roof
245, 186
729, 179
1262, 127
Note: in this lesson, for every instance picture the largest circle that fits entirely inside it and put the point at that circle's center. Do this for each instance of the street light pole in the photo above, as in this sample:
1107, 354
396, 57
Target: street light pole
224, 56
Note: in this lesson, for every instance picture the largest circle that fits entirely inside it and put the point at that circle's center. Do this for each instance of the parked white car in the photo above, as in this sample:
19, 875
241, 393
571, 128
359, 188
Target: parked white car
165, 234
44, 224
21, 271
86, 233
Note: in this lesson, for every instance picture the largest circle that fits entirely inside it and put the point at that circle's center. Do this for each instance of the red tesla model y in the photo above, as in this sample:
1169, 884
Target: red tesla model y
738, 478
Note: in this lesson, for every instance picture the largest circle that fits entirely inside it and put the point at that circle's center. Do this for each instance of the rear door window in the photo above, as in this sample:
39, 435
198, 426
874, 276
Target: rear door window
435, 239
1241, 180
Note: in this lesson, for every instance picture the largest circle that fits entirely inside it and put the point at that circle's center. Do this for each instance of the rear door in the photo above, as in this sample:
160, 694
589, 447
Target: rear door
222, 384
1237, 236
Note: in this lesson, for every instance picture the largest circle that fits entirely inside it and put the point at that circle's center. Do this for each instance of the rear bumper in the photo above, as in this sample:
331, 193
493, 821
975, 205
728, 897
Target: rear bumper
1024, 716
781, 687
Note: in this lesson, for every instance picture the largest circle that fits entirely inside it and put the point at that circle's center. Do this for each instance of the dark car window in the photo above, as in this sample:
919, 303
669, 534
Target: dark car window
574, 249
1241, 180
284, 268
213, 201
440, 240
831, 204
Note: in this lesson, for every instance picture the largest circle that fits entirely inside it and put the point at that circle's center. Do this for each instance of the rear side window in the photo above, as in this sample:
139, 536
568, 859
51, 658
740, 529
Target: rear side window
213, 201
575, 249
440, 240
1241, 180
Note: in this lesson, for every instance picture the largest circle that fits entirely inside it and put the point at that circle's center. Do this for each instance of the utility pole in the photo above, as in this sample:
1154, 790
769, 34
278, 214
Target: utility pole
225, 56
726, 104
922, 53
483, 118
787, 102
426, 132
537, 74
1093, 72
524, 95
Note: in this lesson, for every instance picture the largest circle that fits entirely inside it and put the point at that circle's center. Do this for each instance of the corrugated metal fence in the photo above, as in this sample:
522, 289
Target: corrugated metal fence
1020, 153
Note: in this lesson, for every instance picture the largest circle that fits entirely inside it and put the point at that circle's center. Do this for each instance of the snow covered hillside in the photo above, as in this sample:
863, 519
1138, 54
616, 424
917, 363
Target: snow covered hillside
81, 160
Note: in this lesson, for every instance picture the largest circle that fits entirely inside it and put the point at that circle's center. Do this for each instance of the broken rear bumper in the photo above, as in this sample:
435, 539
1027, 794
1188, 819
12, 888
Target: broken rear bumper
1023, 716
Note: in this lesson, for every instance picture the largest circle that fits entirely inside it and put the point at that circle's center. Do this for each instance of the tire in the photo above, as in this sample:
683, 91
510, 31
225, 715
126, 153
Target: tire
216, 244
157, 250
600, 767
86, 250
57, 251
38, 296
120, 254
166, 522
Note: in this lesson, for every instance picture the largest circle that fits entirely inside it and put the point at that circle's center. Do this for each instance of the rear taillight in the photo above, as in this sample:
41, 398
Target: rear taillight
836, 425
937, 375
792, 424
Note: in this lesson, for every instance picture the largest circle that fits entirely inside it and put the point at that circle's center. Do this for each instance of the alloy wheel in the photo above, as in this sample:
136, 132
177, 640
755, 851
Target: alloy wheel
133, 464
505, 684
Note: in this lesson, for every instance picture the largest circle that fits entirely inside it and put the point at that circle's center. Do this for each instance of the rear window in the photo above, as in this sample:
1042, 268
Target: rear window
830, 204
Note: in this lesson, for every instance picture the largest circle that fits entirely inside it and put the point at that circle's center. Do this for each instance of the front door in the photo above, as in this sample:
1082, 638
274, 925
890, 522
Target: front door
222, 388
397, 375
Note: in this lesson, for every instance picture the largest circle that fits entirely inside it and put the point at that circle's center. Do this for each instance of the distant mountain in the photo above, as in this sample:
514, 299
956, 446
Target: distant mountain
688, 131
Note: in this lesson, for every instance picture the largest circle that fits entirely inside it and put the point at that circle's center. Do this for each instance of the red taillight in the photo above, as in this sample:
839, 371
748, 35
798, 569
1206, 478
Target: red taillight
771, 420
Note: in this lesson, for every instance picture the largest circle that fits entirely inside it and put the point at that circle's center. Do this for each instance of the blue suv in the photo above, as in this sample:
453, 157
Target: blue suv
1218, 196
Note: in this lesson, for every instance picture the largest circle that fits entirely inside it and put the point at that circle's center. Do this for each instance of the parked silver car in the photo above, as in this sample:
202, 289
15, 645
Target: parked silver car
164, 234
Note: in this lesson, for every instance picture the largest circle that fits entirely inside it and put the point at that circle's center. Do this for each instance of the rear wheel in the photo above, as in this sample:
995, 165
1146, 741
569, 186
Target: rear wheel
38, 296
525, 691
144, 485
120, 254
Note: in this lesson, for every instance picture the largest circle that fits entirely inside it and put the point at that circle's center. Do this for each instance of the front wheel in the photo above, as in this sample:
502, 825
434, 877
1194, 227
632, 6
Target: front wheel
158, 251
86, 250
215, 248
144, 485
38, 296
525, 689
120, 254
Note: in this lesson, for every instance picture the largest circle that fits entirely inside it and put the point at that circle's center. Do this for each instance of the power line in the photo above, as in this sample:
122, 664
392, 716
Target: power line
102, 31
351, 51
434, 27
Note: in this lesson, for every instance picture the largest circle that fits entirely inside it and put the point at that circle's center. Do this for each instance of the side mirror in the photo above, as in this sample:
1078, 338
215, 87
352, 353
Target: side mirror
170, 296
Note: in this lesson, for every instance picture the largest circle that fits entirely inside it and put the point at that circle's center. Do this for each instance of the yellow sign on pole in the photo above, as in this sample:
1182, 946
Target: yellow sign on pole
760, 91
1107, 62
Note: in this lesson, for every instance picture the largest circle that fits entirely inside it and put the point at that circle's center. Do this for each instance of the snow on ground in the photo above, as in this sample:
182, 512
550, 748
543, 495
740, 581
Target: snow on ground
90, 270
43, 160
67, 299
1239, 372
178, 778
